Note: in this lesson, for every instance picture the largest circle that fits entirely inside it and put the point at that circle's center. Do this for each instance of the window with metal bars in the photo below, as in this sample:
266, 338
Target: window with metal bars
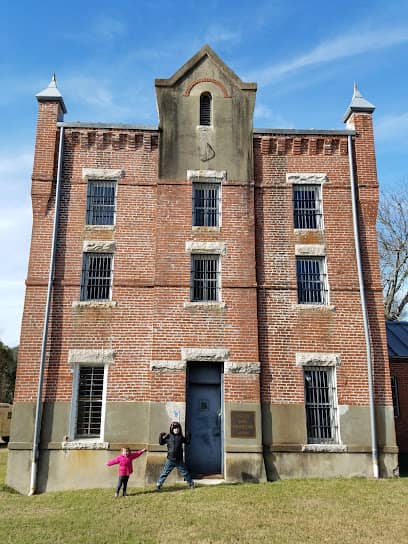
321, 405
395, 397
96, 281
205, 109
307, 207
90, 399
205, 278
100, 203
311, 280
206, 204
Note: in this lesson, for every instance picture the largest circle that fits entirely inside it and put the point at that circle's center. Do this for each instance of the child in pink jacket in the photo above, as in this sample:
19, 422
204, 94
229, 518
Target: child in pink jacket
125, 462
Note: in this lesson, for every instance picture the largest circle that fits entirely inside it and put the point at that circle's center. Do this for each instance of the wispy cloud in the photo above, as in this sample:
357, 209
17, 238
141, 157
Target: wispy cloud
392, 127
266, 116
103, 28
218, 33
346, 45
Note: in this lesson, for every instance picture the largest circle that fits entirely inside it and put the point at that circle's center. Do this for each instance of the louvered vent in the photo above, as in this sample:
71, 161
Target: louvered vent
205, 109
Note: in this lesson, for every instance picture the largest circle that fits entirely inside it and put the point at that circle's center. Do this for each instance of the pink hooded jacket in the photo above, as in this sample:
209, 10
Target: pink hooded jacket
125, 462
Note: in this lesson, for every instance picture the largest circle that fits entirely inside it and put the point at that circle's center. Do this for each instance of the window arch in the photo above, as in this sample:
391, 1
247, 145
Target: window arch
205, 109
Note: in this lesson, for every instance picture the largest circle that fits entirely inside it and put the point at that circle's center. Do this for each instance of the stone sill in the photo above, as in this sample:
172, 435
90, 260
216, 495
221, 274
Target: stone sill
328, 307
205, 305
85, 444
99, 227
94, 304
324, 448
206, 229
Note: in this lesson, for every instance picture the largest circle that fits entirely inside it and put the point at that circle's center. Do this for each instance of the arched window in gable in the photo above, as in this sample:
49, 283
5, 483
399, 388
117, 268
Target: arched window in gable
205, 109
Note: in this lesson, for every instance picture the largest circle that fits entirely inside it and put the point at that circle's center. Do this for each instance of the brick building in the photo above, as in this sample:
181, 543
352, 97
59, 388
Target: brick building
205, 271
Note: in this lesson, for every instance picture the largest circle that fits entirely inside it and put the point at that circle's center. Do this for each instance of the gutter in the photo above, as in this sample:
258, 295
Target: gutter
38, 408
374, 450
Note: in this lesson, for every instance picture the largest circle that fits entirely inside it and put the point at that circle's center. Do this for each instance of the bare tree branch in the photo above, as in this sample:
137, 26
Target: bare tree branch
392, 230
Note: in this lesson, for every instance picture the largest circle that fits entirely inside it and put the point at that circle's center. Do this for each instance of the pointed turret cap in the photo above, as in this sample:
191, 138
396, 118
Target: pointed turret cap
52, 94
358, 104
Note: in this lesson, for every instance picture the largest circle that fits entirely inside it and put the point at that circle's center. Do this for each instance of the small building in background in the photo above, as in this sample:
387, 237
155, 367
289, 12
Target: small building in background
397, 338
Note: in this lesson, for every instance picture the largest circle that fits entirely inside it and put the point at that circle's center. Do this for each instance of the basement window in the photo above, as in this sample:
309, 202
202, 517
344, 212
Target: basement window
205, 109
321, 405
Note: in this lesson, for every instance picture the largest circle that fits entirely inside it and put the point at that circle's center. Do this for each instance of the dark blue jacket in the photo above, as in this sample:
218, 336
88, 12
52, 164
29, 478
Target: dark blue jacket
174, 445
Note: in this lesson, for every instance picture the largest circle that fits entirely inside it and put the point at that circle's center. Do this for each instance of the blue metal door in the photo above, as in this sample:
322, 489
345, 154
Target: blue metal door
204, 419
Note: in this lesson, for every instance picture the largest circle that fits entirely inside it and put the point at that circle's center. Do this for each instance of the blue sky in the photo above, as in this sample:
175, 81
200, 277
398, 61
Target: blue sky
305, 57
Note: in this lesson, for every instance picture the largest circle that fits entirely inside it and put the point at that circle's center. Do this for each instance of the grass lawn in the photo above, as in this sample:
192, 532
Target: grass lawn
296, 511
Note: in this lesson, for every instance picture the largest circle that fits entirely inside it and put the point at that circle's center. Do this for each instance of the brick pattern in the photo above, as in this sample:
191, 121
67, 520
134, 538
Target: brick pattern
260, 319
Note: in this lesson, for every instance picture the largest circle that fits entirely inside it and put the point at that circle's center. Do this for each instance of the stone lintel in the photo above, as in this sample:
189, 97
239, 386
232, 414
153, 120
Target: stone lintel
313, 250
210, 248
94, 304
85, 445
99, 246
91, 356
325, 448
311, 178
205, 354
205, 175
101, 174
318, 359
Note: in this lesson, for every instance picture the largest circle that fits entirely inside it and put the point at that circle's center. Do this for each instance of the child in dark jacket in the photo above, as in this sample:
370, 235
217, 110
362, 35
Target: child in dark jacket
174, 440
125, 462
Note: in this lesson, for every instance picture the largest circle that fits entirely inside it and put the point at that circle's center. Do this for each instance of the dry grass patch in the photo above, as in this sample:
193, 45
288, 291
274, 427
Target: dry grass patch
314, 511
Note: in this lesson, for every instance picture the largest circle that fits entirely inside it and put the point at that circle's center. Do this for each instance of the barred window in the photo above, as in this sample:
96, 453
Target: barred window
395, 397
311, 280
321, 405
205, 109
100, 203
205, 278
90, 400
206, 204
96, 282
307, 207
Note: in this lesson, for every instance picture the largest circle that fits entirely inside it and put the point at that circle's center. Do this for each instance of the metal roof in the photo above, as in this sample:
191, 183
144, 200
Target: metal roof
397, 339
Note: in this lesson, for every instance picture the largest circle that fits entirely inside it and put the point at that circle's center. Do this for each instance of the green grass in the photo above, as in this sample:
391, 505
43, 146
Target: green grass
296, 511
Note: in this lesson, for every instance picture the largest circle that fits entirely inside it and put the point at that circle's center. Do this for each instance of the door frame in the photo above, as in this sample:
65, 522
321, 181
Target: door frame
220, 365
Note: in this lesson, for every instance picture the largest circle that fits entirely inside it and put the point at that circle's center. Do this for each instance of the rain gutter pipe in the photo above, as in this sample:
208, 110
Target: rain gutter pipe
374, 450
38, 409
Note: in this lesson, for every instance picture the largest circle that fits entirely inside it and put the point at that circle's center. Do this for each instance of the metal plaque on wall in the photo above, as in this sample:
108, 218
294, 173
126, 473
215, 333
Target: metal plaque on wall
243, 424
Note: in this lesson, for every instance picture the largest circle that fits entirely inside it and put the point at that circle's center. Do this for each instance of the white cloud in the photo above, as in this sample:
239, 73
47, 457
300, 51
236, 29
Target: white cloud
347, 45
266, 116
219, 34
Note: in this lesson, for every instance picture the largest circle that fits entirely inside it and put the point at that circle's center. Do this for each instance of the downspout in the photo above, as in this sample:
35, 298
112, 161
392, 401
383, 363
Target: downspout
374, 450
38, 409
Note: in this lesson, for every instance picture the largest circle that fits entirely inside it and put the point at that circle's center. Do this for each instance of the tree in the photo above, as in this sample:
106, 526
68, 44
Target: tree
392, 227
8, 363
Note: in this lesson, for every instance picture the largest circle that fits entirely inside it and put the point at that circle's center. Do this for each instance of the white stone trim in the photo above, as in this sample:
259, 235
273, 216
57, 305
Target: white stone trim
310, 250
210, 248
94, 303
209, 304
84, 444
215, 175
167, 366
305, 178
101, 174
99, 246
91, 356
205, 354
242, 368
324, 448
317, 359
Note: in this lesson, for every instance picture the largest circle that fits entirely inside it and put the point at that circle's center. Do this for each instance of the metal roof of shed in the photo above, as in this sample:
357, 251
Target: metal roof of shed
397, 339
